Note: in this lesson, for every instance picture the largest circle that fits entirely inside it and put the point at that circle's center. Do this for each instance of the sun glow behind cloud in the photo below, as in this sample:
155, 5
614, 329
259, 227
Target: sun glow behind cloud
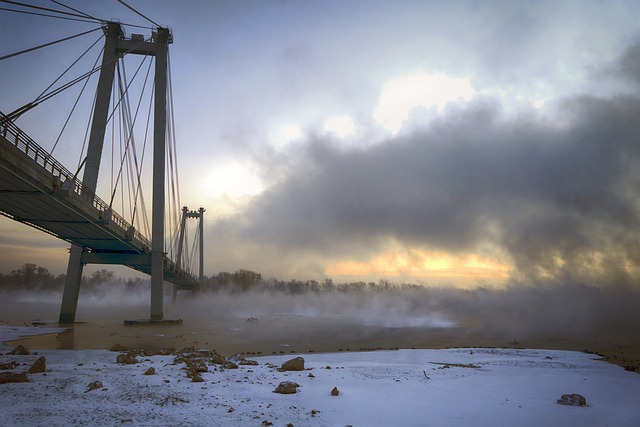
340, 126
423, 264
420, 90
284, 135
231, 179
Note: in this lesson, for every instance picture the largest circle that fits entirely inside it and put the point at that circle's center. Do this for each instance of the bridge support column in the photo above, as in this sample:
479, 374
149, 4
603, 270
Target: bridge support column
72, 286
201, 266
159, 141
94, 151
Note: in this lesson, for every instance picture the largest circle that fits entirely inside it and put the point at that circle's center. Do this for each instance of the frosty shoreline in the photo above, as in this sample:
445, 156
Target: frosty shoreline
403, 388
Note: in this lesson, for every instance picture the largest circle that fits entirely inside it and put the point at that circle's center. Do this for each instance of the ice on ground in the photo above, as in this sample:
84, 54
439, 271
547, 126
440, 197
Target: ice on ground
452, 387
9, 333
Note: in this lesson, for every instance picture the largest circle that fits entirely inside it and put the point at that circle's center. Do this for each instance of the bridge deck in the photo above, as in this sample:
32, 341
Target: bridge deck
37, 190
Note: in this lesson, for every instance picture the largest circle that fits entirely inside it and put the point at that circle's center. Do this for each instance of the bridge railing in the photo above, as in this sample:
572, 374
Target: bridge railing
28, 146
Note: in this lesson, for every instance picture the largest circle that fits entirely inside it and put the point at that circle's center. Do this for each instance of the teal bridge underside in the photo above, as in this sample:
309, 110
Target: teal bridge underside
35, 189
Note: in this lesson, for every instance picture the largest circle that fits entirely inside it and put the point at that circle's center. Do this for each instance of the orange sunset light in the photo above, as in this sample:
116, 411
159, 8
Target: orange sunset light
422, 264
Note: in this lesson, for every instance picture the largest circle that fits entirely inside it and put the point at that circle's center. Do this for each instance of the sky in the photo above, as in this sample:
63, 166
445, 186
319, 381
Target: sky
459, 142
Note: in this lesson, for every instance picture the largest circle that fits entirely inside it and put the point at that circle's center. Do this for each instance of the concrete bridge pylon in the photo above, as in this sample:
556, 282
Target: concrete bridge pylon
118, 45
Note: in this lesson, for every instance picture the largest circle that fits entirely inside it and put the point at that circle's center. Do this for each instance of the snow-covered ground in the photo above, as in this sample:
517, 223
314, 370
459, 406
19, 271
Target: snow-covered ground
452, 387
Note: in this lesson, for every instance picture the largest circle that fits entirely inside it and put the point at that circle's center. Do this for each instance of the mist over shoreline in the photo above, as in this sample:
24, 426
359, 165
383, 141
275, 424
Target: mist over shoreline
517, 311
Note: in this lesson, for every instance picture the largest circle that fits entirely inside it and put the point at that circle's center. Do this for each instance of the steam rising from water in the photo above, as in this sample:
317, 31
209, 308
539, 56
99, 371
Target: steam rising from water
517, 312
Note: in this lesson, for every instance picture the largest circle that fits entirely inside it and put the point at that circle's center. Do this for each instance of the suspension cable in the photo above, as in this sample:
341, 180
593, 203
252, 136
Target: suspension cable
124, 101
65, 86
192, 254
26, 12
131, 145
73, 82
75, 10
113, 142
21, 110
71, 66
46, 9
145, 216
86, 131
118, 107
135, 11
18, 112
75, 104
144, 145
172, 149
11, 55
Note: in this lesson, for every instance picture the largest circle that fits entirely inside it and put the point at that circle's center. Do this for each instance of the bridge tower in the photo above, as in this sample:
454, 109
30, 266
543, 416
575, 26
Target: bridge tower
199, 214
117, 45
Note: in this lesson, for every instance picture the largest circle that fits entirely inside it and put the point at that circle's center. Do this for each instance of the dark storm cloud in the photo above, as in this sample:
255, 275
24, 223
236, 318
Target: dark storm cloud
559, 197
628, 67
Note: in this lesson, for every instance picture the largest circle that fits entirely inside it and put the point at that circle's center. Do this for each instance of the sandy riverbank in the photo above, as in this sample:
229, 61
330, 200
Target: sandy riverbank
274, 335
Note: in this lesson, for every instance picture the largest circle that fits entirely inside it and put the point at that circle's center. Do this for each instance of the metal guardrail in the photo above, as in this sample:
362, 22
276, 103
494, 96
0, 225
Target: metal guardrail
14, 135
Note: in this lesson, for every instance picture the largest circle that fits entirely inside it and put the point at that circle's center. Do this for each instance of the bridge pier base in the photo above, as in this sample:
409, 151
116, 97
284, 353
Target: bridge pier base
157, 281
72, 286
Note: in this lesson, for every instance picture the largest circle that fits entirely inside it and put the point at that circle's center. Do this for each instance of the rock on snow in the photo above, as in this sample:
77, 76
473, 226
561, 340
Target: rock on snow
406, 387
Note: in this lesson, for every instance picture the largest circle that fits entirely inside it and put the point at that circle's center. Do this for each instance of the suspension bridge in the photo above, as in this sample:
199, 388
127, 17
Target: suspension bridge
39, 191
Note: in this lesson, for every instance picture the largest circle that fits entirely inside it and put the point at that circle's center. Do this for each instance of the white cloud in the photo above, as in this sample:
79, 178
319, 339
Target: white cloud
284, 135
231, 179
401, 95
340, 126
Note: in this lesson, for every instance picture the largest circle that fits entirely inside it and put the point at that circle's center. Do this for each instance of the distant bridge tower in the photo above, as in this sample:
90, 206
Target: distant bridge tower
199, 214
117, 45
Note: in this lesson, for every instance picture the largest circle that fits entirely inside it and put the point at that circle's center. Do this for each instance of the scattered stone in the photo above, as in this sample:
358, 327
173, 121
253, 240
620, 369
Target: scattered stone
38, 366
295, 364
205, 352
196, 365
287, 387
118, 347
241, 360
572, 400
230, 410
13, 377
455, 365
173, 400
267, 423
196, 378
229, 365
218, 359
150, 371
95, 385
252, 319
187, 350
592, 352
314, 412
127, 359
311, 375
290, 425
20, 350
8, 365
237, 357
335, 391
167, 351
